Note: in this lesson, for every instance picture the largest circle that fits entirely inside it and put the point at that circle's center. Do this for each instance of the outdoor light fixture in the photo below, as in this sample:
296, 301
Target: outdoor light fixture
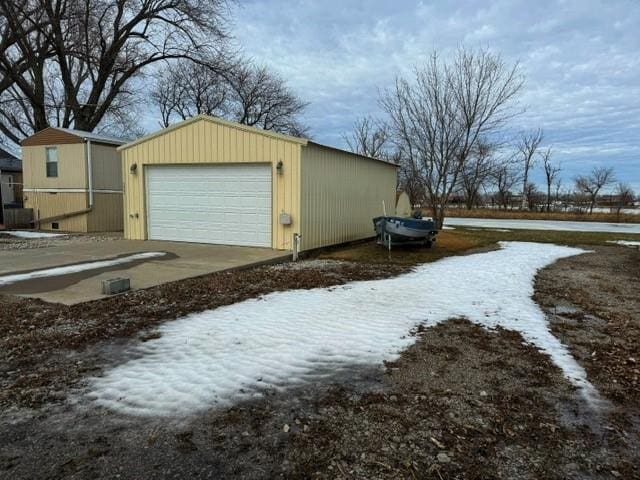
133, 168
279, 167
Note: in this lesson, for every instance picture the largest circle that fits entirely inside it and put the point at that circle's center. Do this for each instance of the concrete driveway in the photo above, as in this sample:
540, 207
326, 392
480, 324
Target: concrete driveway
184, 260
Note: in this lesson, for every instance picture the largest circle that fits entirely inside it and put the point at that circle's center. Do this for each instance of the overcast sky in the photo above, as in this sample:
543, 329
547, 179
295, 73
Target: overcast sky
581, 59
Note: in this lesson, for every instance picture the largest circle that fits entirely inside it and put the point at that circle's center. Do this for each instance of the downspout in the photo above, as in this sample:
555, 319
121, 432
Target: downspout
89, 172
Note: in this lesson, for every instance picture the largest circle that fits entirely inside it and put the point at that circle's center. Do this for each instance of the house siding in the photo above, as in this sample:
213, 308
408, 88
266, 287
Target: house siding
51, 204
106, 167
68, 192
107, 215
72, 168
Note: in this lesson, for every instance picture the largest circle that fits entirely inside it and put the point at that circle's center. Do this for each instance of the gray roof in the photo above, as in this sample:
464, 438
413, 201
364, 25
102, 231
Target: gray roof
96, 137
9, 162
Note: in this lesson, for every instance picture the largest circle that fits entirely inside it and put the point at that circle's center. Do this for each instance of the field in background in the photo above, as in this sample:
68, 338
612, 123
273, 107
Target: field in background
526, 215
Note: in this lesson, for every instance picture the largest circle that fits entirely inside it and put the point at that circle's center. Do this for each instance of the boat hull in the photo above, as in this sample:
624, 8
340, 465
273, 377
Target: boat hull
398, 230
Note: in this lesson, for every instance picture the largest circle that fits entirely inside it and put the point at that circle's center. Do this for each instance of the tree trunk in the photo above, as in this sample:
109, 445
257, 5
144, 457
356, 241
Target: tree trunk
438, 216
548, 197
470, 202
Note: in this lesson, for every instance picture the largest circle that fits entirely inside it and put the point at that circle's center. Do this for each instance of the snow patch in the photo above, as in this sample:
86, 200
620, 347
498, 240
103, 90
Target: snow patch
626, 243
27, 234
220, 356
80, 267
558, 225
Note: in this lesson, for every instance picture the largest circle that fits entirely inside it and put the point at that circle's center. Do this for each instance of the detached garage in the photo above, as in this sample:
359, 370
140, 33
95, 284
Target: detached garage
207, 180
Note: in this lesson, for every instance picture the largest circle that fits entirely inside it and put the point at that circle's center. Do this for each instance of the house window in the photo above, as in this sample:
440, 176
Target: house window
52, 161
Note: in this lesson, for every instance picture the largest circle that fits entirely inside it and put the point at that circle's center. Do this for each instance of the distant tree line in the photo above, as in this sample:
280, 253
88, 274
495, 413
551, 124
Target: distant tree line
447, 128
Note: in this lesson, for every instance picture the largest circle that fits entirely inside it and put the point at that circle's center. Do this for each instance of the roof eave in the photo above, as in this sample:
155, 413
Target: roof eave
219, 121
364, 157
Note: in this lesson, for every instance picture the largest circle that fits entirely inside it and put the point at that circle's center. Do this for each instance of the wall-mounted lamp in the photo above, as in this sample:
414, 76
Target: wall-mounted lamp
279, 167
133, 168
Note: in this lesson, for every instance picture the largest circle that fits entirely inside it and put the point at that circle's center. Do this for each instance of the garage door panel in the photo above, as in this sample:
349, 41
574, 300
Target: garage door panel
225, 204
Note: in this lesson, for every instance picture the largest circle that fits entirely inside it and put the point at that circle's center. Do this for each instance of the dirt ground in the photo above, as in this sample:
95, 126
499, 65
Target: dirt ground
10, 242
461, 403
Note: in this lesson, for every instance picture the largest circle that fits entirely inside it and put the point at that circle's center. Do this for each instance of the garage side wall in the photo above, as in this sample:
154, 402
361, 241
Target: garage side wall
208, 142
340, 195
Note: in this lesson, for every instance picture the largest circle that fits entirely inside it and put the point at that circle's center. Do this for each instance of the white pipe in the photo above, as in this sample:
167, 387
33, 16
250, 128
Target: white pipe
89, 173
296, 246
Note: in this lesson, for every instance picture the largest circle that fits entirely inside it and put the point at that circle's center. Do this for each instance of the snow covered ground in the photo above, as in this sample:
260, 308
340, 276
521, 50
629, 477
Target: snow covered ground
80, 267
31, 234
230, 353
544, 225
625, 243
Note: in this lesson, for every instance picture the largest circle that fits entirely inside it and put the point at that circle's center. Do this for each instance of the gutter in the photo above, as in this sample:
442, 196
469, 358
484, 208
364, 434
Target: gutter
89, 208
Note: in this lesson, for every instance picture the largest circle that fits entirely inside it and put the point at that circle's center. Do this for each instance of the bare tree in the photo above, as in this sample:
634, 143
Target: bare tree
437, 119
265, 101
476, 172
557, 185
527, 146
231, 88
591, 185
551, 173
625, 197
505, 178
185, 89
533, 196
75, 60
370, 138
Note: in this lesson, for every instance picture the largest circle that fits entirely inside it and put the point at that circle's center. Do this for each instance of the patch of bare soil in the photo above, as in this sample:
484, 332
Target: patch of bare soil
593, 302
44, 347
461, 403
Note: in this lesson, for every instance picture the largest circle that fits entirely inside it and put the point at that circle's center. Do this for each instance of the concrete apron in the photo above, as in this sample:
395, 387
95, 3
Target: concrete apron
184, 260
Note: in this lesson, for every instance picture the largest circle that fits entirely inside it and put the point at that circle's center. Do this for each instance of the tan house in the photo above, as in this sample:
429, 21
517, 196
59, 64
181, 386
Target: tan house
73, 180
207, 180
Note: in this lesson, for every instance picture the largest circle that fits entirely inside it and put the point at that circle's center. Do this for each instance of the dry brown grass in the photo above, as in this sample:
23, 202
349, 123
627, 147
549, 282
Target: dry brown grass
463, 241
524, 215
448, 243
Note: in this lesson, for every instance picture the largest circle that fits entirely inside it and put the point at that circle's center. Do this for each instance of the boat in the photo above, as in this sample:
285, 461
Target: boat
392, 231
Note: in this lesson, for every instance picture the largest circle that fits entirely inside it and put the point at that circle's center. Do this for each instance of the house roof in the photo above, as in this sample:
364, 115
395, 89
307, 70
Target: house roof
96, 137
247, 128
9, 162
59, 135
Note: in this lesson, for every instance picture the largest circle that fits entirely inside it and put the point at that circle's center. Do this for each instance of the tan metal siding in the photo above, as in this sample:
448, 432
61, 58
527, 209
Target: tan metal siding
106, 167
106, 215
72, 172
208, 141
340, 195
45, 204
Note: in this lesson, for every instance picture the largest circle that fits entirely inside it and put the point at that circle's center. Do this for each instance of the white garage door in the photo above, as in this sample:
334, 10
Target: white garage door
223, 204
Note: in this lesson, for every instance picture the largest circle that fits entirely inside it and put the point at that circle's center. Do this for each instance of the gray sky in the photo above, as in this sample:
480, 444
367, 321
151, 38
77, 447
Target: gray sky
581, 59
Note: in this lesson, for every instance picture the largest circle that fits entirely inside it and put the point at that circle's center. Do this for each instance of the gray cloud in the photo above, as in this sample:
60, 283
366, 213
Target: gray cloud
580, 58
